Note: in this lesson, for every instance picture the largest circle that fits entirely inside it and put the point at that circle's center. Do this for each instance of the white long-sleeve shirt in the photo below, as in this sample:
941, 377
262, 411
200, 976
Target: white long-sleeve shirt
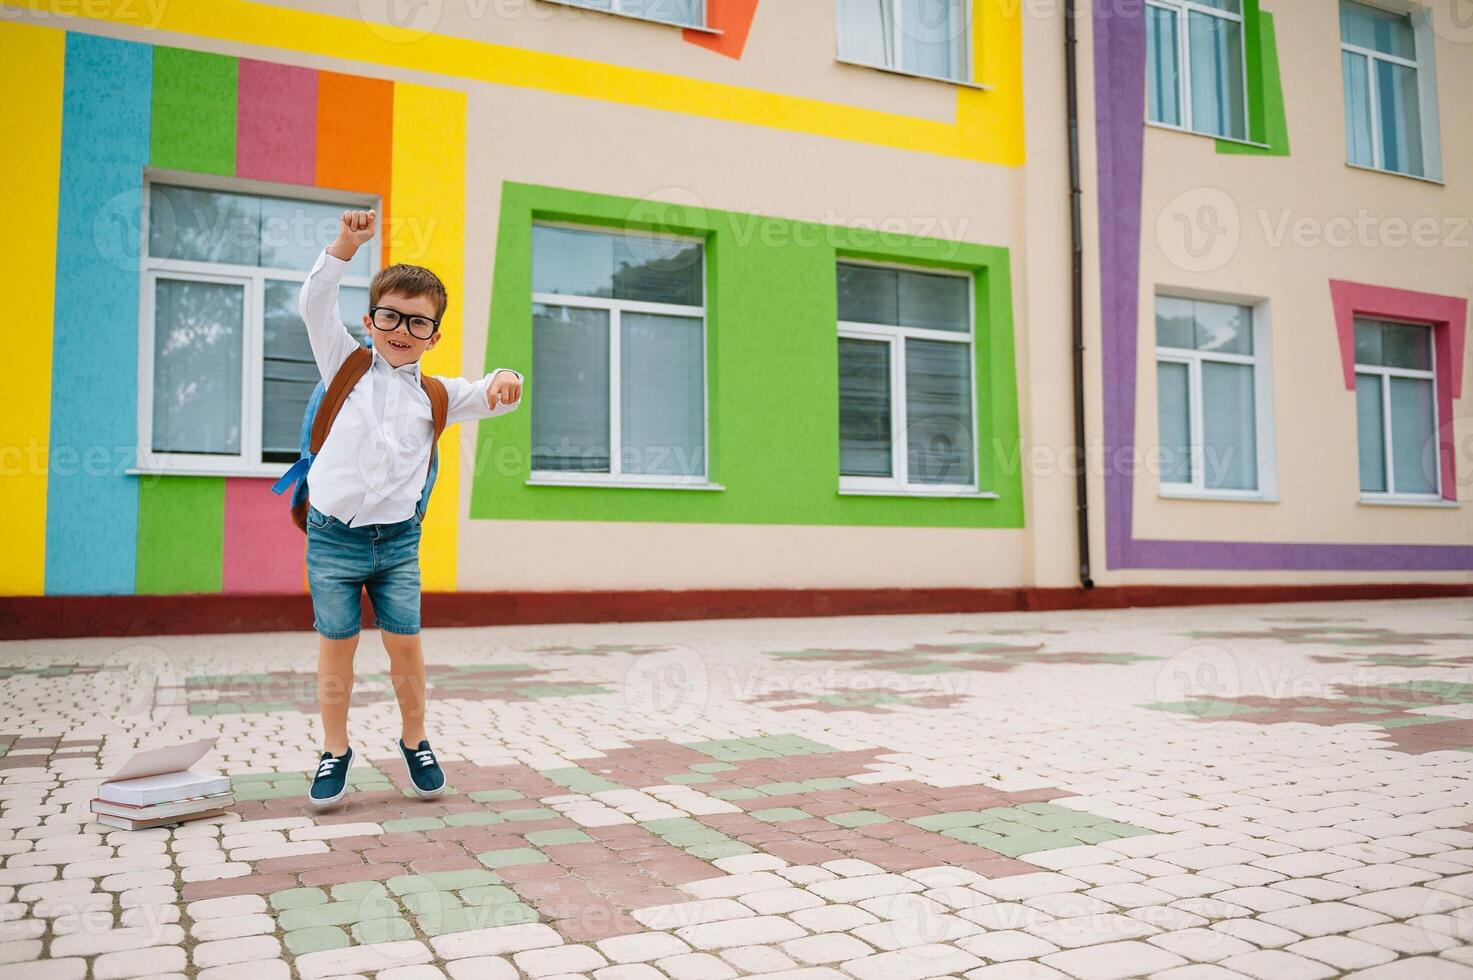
371, 469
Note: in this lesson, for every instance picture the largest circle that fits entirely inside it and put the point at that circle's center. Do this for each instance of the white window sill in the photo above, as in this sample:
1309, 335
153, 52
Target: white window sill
552, 480
648, 20
1435, 181
1243, 497
266, 471
961, 493
1208, 136
961, 82
1388, 500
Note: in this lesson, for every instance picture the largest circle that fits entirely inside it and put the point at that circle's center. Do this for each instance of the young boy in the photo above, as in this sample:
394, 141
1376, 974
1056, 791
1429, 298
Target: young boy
363, 527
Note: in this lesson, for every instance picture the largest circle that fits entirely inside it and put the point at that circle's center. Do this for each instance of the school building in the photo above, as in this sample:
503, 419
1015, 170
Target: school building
793, 286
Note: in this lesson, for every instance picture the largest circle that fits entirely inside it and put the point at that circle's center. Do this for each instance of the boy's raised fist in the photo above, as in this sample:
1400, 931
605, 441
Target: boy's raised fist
354, 228
357, 226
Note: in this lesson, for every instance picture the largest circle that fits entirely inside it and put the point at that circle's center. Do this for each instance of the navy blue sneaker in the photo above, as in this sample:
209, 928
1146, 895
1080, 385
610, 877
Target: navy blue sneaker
330, 784
425, 774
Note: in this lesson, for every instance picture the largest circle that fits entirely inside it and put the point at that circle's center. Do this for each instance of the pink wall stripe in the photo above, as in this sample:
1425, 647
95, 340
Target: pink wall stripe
1448, 316
276, 123
264, 551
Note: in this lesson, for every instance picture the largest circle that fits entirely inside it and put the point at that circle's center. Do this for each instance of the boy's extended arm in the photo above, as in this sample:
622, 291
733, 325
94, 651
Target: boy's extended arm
468, 401
330, 340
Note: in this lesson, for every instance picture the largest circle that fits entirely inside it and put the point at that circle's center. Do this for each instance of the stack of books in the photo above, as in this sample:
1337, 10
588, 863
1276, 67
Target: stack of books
158, 788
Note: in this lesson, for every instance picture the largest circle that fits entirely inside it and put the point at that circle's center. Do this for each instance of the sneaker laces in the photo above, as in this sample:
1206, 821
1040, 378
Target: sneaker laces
425, 757
326, 766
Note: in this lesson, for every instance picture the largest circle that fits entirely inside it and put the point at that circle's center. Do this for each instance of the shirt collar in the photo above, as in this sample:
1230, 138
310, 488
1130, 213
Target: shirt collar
411, 368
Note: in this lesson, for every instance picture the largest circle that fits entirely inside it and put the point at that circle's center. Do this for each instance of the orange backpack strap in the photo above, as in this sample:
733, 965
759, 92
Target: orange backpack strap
439, 408
348, 376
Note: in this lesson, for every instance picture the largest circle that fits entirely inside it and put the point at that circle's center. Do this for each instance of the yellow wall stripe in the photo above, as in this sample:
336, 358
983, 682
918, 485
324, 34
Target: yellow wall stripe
31, 66
426, 226
988, 127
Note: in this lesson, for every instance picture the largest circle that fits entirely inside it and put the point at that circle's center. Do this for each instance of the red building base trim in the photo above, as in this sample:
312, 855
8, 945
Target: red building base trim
53, 617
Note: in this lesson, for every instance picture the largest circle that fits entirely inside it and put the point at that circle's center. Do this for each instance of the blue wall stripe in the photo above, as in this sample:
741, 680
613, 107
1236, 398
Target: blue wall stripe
92, 505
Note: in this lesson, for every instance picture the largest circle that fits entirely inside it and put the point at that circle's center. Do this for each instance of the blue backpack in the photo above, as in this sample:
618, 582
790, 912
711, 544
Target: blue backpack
322, 410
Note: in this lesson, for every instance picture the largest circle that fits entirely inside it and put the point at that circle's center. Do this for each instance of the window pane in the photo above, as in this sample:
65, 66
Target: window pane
575, 262
1217, 76
657, 270
933, 37
1231, 6
203, 226
938, 412
1174, 420
1413, 436
1229, 434
570, 402
662, 395
866, 32
1223, 327
572, 262
1368, 342
289, 374
934, 302
1174, 323
1163, 67
196, 366
353, 305
672, 11
1370, 432
294, 232
868, 294
1407, 345
1355, 68
1379, 30
864, 408
1399, 103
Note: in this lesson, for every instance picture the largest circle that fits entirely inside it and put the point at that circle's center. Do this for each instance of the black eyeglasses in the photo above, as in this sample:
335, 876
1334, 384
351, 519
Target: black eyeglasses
387, 319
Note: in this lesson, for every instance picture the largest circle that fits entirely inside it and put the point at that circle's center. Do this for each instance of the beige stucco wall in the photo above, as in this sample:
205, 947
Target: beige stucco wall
1314, 418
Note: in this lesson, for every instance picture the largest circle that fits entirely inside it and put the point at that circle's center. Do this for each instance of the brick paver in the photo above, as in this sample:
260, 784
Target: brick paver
1270, 792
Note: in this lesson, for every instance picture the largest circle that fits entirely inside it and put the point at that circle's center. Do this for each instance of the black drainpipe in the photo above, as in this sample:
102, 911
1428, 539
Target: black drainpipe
1076, 219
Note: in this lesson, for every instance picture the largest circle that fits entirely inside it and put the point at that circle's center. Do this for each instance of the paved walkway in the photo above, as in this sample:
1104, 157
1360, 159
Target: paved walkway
1275, 792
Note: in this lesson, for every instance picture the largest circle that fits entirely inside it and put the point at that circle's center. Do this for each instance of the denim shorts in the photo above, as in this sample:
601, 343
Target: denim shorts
342, 561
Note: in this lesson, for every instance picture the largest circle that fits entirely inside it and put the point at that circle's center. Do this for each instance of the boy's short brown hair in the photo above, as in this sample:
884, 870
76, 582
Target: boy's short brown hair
409, 280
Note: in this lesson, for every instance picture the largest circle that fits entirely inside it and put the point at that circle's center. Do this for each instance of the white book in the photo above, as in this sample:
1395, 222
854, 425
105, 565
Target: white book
163, 776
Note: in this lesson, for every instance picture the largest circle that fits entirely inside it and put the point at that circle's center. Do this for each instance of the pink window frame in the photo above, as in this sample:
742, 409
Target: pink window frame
1448, 318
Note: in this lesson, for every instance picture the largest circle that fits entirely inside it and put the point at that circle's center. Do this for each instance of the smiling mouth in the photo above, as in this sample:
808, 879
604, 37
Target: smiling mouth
398, 344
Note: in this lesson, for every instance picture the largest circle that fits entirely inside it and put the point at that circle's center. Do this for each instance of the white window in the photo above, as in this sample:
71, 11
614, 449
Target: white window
682, 13
917, 37
619, 353
907, 407
1214, 408
1396, 409
225, 370
1196, 77
1390, 101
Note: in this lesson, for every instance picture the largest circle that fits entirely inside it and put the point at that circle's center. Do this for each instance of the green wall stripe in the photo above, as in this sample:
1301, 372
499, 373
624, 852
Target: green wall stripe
772, 382
181, 533
181, 519
194, 97
1268, 119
